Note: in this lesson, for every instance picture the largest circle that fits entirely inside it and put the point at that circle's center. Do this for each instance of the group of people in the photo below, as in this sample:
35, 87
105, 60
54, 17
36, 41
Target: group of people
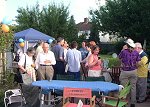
60, 58
134, 62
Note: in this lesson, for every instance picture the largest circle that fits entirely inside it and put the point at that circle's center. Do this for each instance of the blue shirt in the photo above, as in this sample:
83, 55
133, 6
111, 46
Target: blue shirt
58, 52
84, 52
73, 58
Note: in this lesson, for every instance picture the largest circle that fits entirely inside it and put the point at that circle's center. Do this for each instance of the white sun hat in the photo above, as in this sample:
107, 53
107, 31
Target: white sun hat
130, 42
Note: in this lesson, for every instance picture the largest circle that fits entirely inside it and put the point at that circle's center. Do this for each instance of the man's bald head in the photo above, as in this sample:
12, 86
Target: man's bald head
45, 47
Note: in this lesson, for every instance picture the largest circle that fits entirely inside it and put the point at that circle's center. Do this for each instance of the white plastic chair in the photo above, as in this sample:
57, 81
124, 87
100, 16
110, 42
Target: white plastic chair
13, 96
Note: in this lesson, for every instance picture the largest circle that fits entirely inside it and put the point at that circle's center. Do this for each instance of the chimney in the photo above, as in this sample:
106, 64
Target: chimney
86, 20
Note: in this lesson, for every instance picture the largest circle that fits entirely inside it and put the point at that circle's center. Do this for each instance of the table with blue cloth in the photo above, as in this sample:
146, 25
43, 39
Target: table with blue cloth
97, 86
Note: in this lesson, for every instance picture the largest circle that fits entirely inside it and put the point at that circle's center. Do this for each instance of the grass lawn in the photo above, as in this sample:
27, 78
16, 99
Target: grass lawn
105, 56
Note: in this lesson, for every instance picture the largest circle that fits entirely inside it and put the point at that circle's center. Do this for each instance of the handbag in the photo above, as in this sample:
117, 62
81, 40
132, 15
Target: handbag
27, 79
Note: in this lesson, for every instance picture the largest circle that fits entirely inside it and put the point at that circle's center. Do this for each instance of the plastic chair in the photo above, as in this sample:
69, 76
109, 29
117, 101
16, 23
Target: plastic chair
13, 97
81, 93
121, 100
115, 74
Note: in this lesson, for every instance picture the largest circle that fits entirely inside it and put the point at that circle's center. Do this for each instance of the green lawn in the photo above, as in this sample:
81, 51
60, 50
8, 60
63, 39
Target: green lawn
105, 56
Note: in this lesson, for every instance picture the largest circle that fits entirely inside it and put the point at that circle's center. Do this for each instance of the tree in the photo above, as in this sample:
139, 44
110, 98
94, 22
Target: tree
125, 18
80, 39
71, 30
52, 20
28, 18
94, 35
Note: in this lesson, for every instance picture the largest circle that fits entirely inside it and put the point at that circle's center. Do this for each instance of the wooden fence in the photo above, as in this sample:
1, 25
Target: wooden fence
6, 66
2, 67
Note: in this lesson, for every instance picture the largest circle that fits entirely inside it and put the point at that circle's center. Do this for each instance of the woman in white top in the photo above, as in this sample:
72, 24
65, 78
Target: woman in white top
26, 63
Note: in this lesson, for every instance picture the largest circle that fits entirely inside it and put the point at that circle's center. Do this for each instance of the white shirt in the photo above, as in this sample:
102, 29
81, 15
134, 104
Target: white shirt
41, 57
29, 60
73, 57
65, 52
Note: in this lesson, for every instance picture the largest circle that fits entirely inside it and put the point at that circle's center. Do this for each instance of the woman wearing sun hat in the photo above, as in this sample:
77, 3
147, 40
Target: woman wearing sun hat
129, 61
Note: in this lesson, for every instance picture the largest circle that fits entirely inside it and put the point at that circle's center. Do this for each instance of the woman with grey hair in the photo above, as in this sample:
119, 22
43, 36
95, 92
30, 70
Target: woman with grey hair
26, 65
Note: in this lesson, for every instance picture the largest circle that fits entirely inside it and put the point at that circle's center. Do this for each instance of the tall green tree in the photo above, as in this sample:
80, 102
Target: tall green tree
28, 18
94, 35
72, 30
125, 18
52, 20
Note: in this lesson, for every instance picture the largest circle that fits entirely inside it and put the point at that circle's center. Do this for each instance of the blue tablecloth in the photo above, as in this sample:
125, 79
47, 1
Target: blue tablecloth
97, 86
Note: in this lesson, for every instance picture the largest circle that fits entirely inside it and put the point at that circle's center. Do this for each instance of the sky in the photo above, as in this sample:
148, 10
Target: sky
78, 8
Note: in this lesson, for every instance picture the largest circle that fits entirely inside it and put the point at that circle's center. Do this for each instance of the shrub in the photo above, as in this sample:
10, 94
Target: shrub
7, 84
2, 97
114, 62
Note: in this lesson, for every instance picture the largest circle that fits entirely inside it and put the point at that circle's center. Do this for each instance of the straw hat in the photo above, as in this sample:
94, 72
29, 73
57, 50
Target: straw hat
130, 42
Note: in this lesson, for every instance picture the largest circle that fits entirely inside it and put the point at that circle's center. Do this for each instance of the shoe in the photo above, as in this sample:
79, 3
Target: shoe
140, 101
132, 105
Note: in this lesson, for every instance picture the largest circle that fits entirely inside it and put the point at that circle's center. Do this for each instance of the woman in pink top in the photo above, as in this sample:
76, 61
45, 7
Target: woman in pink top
94, 63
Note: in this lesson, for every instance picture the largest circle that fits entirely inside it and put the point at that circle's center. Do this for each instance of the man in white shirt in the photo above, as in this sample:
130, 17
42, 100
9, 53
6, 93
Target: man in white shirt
44, 62
73, 58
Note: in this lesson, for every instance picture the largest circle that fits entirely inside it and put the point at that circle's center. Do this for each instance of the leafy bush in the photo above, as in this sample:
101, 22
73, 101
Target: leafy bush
7, 84
112, 61
104, 51
2, 97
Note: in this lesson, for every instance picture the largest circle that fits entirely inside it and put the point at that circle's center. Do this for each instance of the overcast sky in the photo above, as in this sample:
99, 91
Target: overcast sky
78, 8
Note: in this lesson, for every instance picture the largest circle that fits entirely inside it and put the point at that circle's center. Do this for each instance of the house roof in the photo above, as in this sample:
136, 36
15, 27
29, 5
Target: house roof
82, 26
